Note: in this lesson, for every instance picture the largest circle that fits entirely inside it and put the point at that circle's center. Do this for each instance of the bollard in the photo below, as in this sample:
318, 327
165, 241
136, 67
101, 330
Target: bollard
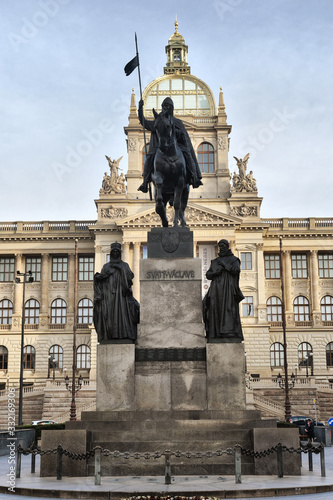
279, 457
18, 462
33, 463
322, 462
98, 466
59, 462
310, 461
167, 474
238, 465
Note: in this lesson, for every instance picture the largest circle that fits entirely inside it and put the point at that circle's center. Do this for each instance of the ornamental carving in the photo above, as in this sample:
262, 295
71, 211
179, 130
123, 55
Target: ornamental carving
114, 212
222, 143
244, 211
113, 183
248, 276
132, 145
242, 182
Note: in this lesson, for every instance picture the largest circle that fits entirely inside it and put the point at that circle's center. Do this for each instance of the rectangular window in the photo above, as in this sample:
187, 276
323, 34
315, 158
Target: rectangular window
246, 261
34, 264
272, 266
59, 268
325, 264
7, 265
299, 266
86, 268
247, 306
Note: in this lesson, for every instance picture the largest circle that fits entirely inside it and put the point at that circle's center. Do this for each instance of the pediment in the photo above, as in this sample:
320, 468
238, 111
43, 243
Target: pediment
195, 215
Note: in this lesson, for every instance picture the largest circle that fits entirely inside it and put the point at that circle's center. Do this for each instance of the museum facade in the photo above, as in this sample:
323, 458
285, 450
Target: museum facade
64, 255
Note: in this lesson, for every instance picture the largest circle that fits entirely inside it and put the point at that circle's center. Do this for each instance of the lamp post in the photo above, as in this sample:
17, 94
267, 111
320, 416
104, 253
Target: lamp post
307, 365
311, 363
286, 386
26, 278
77, 385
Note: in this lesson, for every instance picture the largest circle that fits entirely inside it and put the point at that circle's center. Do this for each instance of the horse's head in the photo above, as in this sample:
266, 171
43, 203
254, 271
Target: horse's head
165, 130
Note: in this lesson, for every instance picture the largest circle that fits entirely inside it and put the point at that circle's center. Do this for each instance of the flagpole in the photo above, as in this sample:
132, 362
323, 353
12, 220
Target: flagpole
143, 117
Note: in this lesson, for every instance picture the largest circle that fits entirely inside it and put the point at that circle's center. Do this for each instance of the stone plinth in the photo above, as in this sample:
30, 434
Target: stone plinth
264, 439
170, 309
225, 377
115, 376
73, 440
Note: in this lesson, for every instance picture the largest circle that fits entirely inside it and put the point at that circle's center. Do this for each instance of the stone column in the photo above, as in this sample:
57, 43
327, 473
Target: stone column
136, 271
314, 276
44, 307
125, 252
262, 316
93, 354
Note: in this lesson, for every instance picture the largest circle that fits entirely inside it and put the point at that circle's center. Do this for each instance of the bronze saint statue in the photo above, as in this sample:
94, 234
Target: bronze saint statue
116, 312
182, 139
221, 303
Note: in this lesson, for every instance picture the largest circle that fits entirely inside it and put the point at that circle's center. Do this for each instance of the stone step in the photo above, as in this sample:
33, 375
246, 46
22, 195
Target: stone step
170, 415
156, 467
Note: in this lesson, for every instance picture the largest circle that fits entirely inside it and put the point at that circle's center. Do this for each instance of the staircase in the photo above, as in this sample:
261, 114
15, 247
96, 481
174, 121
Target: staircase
143, 431
57, 400
325, 403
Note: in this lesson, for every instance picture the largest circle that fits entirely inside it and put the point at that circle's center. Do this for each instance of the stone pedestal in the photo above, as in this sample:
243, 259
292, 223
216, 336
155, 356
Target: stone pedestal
115, 377
170, 309
226, 377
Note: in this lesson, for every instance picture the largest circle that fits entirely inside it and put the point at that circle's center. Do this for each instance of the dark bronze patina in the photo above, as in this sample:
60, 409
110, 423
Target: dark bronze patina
171, 163
220, 304
116, 312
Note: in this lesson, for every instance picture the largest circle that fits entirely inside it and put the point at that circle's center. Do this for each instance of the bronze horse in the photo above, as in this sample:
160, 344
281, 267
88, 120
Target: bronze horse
170, 177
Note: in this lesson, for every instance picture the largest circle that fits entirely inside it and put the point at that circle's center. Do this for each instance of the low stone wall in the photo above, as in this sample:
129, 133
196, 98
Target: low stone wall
24, 437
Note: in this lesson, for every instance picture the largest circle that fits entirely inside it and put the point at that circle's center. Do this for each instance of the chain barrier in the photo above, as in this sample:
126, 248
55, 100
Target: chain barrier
236, 451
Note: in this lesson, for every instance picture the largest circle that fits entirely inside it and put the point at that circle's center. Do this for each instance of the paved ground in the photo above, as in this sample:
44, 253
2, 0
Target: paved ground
310, 485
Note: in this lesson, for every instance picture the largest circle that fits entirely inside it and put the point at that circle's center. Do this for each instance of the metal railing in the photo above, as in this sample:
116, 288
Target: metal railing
237, 451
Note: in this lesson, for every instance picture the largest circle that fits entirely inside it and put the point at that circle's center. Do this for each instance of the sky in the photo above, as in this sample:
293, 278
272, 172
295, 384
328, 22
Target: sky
64, 96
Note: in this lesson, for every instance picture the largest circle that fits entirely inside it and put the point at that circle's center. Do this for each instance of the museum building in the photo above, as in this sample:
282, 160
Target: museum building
64, 255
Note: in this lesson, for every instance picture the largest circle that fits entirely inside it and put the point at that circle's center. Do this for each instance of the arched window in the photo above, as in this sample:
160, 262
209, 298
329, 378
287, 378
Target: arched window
58, 312
145, 150
56, 355
301, 309
277, 355
29, 355
6, 311
274, 310
85, 312
326, 307
83, 356
305, 354
3, 357
206, 157
329, 354
31, 316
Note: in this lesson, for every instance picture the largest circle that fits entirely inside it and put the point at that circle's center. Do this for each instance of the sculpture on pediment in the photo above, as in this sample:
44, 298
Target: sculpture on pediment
243, 182
113, 183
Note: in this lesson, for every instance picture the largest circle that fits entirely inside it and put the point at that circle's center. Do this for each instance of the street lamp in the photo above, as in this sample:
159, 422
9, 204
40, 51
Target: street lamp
307, 365
77, 386
311, 362
282, 381
26, 278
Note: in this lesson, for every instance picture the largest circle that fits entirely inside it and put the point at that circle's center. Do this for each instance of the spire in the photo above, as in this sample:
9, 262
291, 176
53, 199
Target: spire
133, 112
176, 51
222, 116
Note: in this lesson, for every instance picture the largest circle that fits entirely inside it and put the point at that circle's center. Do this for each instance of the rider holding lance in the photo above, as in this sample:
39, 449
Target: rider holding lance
183, 142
